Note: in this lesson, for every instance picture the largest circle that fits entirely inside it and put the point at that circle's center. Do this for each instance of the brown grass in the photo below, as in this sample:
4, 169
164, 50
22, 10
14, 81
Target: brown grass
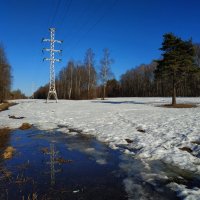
6, 105
5, 173
180, 106
4, 138
8, 153
4, 131
25, 126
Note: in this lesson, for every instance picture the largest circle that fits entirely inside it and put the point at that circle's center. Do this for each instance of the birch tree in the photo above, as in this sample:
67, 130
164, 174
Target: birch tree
70, 69
91, 73
105, 70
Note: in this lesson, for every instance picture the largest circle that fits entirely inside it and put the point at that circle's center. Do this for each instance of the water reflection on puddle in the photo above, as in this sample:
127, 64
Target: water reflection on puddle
52, 165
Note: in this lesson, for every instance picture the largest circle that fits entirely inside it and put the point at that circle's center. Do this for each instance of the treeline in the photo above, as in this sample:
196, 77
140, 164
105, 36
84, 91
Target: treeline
175, 74
141, 82
5, 76
178, 69
82, 81
17, 94
6, 79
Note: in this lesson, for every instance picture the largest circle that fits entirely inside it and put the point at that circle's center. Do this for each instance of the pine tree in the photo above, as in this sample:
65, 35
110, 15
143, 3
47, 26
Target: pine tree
177, 62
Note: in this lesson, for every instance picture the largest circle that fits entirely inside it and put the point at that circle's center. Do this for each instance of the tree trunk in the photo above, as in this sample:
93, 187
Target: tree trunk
104, 91
174, 94
70, 92
88, 87
88, 91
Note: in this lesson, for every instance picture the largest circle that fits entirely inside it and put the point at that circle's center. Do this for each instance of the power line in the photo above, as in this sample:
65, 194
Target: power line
66, 10
87, 21
81, 17
49, 17
97, 22
55, 13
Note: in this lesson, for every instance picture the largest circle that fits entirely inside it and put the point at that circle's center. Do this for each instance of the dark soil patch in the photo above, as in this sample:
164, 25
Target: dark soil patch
6, 105
180, 106
196, 142
129, 141
176, 179
186, 149
14, 117
25, 126
74, 130
141, 130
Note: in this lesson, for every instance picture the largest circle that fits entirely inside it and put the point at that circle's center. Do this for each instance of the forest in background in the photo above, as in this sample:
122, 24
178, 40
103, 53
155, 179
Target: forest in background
82, 81
6, 79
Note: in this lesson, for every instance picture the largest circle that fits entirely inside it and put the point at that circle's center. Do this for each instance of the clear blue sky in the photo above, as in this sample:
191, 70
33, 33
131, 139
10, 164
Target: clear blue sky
131, 29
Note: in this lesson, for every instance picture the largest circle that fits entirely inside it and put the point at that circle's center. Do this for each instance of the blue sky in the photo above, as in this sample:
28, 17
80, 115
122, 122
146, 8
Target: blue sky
131, 29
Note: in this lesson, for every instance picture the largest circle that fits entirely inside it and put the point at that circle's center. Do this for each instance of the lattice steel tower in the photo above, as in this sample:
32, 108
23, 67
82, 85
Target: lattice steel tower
52, 59
53, 155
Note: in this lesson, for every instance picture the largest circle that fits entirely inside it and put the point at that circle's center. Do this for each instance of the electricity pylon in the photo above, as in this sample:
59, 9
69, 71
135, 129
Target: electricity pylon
52, 59
52, 163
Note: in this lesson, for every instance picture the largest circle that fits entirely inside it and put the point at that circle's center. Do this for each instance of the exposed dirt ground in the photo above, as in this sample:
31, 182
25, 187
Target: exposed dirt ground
180, 106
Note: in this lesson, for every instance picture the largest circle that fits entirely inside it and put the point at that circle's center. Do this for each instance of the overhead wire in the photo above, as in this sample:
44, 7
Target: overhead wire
67, 5
46, 25
84, 11
87, 22
55, 13
81, 16
96, 23
66, 11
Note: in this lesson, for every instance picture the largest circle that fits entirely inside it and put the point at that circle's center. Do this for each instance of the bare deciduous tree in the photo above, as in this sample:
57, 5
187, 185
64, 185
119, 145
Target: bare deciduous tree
105, 71
5, 75
91, 73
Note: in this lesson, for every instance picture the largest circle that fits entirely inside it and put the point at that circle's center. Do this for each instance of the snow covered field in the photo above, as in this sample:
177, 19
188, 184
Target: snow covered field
153, 132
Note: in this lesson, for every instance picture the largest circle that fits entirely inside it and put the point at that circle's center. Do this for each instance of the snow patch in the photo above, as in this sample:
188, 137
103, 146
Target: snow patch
184, 192
165, 130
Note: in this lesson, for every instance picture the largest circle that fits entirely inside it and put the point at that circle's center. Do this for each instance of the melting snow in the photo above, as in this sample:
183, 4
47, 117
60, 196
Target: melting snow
154, 132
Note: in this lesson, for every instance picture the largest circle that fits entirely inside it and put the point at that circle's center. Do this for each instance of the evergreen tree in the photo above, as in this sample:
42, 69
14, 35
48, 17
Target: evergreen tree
177, 62
5, 75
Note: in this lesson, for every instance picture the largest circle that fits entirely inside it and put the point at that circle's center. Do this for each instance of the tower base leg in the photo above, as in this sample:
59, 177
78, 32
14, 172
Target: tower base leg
54, 94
